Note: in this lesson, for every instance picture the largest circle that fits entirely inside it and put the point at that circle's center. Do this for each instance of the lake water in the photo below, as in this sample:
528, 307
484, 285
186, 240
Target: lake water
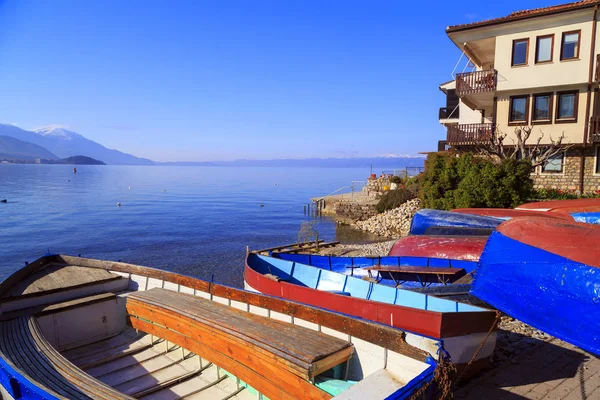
192, 220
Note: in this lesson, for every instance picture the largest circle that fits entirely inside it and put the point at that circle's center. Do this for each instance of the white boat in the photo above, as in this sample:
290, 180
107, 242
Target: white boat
79, 328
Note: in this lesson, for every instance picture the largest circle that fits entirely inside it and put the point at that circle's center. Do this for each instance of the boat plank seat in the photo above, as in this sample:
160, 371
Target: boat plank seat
55, 277
22, 342
260, 349
56, 283
423, 274
46, 309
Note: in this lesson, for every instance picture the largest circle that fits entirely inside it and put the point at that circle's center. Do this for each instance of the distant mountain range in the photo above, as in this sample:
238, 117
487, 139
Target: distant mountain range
63, 143
354, 162
13, 149
56, 144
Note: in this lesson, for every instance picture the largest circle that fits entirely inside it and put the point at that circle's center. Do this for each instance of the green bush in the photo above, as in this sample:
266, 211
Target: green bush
396, 179
395, 198
452, 181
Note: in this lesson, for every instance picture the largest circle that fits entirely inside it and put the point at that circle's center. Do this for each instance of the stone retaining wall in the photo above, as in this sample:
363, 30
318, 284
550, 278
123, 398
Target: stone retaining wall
355, 211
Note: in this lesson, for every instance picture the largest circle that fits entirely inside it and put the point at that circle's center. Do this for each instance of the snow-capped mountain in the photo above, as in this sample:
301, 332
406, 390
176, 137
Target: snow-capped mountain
65, 143
62, 133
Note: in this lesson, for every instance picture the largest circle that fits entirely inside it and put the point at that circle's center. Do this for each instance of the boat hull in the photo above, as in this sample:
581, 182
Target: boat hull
465, 248
438, 222
568, 206
550, 280
507, 213
580, 210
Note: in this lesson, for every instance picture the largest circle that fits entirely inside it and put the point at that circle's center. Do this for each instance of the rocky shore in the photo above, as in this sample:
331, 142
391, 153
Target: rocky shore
393, 223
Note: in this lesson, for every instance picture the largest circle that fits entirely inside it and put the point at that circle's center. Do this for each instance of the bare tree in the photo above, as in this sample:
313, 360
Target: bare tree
538, 154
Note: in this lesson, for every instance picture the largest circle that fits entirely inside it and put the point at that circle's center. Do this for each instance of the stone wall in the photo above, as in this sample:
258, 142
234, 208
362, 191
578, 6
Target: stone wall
569, 178
355, 211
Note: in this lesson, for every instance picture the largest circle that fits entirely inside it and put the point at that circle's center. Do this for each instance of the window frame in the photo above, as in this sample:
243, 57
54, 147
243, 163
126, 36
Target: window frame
562, 44
510, 110
557, 119
512, 55
537, 46
550, 109
597, 164
562, 166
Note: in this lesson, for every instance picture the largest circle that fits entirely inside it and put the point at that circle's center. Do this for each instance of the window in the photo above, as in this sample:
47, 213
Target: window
542, 108
543, 48
566, 106
597, 170
520, 52
569, 49
519, 110
554, 164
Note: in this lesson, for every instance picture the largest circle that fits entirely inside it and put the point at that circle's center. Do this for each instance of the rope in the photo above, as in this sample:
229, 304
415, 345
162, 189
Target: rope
445, 373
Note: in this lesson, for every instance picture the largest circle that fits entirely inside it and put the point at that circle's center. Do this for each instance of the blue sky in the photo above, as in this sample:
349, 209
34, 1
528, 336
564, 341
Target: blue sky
220, 80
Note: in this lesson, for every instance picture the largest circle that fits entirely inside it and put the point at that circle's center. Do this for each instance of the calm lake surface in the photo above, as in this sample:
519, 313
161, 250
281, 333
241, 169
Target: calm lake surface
193, 220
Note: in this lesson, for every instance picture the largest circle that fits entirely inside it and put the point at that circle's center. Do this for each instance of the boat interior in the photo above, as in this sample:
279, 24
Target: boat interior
330, 281
86, 329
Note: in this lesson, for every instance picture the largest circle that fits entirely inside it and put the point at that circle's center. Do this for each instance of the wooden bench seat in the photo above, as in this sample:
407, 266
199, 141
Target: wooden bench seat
278, 359
422, 274
22, 342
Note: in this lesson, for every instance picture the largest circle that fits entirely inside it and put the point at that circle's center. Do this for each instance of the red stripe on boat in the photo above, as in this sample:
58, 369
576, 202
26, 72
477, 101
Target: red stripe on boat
466, 248
507, 213
573, 240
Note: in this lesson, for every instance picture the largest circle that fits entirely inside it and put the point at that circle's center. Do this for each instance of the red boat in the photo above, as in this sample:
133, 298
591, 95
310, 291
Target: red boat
466, 248
563, 206
507, 213
427, 321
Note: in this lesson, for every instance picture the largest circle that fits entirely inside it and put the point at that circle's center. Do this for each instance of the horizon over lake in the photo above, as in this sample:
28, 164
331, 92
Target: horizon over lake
192, 220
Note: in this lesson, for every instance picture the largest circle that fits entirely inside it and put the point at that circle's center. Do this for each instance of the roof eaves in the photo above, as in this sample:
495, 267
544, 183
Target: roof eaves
525, 14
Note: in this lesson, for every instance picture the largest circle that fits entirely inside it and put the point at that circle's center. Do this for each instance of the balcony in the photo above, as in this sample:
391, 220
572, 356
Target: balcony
449, 113
469, 134
594, 129
476, 82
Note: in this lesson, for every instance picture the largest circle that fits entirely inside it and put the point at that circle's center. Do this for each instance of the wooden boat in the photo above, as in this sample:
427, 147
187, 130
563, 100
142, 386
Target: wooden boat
438, 222
429, 322
507, 213
581, 210
466, 248
76, 328
549, 279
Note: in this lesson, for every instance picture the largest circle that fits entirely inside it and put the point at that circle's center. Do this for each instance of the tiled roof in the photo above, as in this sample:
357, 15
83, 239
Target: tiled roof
517, 15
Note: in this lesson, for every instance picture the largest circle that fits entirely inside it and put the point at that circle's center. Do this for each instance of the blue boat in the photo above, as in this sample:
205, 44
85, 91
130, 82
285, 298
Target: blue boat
438, 222
420, 271
546, 273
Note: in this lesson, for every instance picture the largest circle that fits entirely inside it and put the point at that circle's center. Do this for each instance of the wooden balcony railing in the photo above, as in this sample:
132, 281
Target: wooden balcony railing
469, 134
476, 82
594, 129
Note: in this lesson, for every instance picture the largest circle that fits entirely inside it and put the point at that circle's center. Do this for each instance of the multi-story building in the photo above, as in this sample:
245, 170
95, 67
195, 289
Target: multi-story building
538, 68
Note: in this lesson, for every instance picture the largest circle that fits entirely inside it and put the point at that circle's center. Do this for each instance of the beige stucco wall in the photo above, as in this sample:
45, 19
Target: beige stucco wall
573, 130
468, 116
557, 72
